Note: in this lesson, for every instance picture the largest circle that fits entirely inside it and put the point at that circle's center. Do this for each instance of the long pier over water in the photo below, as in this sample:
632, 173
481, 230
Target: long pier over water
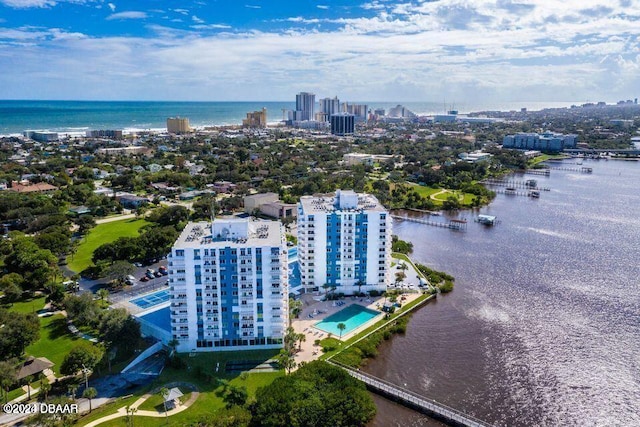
413, 400
452, 224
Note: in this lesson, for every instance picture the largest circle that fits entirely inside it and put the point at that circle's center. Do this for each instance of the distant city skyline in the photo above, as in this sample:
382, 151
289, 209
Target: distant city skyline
460, 51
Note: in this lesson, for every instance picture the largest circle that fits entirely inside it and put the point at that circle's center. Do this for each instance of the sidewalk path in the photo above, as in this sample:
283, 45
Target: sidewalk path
115, 218
122, 412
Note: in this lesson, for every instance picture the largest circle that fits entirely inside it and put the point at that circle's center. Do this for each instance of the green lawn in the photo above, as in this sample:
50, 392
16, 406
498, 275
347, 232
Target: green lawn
55, 341
424, 191
27, 306
199, 368
101, 234
544, 157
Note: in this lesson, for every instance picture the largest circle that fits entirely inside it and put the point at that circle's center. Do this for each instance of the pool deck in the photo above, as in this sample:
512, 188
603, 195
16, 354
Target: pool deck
304, 324
136, 309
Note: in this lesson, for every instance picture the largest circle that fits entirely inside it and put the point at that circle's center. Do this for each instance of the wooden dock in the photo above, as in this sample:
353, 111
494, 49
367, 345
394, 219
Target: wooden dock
415, 401
514, 184
583, 169
452, 224
543, 172
509, 192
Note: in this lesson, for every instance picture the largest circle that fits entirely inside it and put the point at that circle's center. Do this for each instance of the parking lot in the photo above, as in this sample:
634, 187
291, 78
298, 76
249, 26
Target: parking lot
138, 288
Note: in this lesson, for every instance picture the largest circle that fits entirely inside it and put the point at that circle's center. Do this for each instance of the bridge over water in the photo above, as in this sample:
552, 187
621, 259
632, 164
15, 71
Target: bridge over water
415, 401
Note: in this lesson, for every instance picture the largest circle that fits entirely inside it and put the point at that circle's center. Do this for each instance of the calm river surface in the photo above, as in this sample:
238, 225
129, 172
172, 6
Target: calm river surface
543, 326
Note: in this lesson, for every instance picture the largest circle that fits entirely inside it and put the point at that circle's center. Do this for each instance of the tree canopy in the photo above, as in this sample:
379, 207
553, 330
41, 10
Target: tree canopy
318, 394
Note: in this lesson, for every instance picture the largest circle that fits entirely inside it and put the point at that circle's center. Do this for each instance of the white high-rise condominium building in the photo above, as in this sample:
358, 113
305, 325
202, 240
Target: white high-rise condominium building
229, 286
305, 106
344, 240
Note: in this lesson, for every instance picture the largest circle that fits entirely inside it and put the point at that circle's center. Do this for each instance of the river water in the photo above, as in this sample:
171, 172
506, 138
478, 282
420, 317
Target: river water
543, 326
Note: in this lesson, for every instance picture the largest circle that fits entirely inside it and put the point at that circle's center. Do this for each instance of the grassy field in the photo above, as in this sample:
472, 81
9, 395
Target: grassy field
424, 191
101, 234
55, 341
200, 371
544, 157
27, 306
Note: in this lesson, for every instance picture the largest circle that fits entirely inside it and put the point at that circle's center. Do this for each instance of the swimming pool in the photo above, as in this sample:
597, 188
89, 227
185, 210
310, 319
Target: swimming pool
152, 299
353, 317
159, 318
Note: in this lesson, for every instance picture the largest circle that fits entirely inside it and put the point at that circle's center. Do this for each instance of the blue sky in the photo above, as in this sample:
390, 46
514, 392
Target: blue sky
468, 50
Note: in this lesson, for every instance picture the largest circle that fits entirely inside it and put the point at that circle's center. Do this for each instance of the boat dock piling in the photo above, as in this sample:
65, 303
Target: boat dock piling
452, 224
543, 172
583, 169
513, 192
530, 184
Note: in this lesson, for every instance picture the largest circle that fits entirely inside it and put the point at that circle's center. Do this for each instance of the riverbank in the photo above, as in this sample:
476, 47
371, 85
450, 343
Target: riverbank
529, 326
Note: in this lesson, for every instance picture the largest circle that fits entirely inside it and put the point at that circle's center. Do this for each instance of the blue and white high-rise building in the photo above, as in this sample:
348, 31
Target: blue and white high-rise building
229, 286
344, 240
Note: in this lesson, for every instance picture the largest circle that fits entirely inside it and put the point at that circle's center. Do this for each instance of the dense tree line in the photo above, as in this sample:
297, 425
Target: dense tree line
116, 328
317, 394
17, 332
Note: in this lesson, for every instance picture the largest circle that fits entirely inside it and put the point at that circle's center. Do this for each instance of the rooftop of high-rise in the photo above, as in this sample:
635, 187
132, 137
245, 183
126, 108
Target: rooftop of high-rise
342, 200
230, 232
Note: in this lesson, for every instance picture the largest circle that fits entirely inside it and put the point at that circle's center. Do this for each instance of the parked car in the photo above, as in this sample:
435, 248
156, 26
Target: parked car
137, 264
144, 279
150, 275
157, 274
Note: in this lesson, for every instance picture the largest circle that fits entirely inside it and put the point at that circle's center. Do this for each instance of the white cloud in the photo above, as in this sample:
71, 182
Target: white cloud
252, 6
182, 11
457, 49
211, 27
197, 20
112, 7
127, 15
322, 6
24, 4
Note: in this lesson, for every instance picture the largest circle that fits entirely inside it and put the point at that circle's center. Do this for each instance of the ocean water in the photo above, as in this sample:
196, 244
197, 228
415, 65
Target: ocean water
78, 116
543, 326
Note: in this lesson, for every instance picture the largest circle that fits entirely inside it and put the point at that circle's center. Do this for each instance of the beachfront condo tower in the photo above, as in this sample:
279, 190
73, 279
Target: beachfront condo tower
344, 241
229, 286
178, 125
305, 106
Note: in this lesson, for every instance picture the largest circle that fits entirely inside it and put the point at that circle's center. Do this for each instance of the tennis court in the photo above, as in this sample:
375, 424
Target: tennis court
150, 300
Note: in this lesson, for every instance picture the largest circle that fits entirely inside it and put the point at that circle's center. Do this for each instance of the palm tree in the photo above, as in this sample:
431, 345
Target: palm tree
301, 338
90, 393
130, 413
103, 294
28, 380
295, 306
45, 387
72, 391
173, 344
341, 327
164, 392
326, 287
286, 360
